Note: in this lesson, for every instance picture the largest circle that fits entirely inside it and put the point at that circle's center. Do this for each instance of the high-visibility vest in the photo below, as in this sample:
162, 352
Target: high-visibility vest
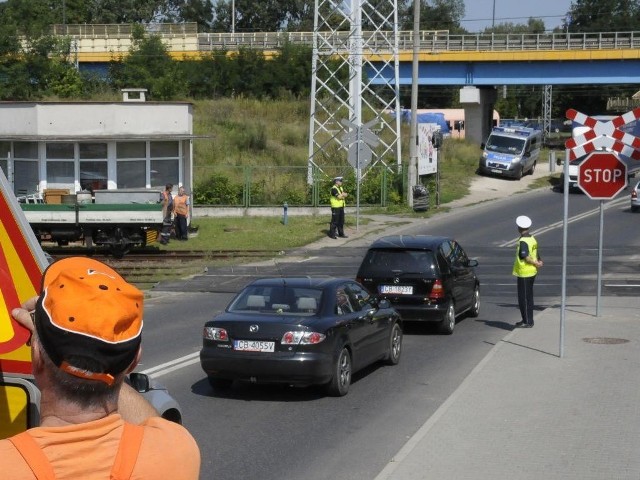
337, 202
520, 267
180, 206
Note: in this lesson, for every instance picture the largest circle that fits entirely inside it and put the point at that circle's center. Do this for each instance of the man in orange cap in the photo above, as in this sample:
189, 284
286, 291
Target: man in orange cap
86, 335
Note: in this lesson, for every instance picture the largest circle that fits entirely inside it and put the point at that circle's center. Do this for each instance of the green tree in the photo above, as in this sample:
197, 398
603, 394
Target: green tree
196, 11
264, 16
149, 66
434, 15
603, 16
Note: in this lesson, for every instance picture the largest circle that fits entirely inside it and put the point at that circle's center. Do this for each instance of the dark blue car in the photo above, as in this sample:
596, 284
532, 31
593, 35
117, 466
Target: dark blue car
300, 331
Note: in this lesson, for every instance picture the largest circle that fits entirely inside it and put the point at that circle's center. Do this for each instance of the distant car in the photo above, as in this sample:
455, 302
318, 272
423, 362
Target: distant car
635, 197
573, 175
426, 278
300, 331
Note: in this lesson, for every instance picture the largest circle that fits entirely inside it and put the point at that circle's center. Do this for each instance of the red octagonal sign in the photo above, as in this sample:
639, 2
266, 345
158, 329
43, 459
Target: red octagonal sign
602, 175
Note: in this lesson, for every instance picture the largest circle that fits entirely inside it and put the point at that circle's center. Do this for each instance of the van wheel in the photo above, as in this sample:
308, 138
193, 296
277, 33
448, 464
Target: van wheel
520, 173
533, 168
448, 323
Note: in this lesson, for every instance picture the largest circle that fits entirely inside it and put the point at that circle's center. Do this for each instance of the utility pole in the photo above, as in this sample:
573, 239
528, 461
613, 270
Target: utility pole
412, 177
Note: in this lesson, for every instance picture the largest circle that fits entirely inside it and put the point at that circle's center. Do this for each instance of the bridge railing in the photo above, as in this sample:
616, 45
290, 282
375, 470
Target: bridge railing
180, 37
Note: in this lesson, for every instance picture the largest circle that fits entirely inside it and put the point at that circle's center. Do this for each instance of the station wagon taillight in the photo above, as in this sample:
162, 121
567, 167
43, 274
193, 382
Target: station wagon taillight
437, 290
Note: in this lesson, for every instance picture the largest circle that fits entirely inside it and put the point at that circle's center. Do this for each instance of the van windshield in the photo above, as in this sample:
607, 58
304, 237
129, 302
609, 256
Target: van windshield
498, 143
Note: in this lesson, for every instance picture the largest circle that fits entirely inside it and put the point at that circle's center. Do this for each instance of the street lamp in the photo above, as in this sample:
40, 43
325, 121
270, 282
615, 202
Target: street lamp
493, 18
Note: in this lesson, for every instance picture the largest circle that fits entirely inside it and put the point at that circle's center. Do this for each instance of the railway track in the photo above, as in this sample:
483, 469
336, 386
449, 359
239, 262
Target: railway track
146, 268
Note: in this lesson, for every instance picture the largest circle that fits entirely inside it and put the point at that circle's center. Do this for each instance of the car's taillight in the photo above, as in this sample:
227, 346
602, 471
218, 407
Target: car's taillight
302, 338
213, 333
437, 290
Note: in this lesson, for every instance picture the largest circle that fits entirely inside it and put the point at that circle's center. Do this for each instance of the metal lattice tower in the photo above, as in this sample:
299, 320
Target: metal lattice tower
546, 110
348, 34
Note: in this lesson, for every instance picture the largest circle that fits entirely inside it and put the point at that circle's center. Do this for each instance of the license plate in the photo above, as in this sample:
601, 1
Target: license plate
495, 170
397, 289
253, 346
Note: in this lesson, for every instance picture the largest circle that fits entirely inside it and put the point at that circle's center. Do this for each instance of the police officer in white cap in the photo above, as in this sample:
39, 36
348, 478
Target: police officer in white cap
338, 195
525, 269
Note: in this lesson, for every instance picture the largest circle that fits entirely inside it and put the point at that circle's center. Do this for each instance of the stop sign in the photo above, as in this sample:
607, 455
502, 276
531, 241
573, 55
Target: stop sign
602, 175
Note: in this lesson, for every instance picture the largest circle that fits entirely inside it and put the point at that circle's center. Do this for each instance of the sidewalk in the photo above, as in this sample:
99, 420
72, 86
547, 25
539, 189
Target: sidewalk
526, 413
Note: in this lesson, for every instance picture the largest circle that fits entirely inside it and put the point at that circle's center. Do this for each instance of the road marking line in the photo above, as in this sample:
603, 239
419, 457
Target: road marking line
172, 365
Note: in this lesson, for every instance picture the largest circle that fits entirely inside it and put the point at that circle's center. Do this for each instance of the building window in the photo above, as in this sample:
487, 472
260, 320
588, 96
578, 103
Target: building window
25, 150
5, 154
163, 172
60, 150
26, 178
131, 150
132, 173
164, 162
93, 166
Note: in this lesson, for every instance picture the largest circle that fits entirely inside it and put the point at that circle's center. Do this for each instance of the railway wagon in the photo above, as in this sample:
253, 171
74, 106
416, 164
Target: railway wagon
110, 223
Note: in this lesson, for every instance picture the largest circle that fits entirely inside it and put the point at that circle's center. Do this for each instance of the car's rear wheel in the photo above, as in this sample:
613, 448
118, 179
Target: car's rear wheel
474, 311
220, 383
395, 345
448, 323
339, 384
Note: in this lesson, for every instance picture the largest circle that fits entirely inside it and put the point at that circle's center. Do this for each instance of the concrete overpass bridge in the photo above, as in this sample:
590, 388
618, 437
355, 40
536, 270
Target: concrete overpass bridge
445, 59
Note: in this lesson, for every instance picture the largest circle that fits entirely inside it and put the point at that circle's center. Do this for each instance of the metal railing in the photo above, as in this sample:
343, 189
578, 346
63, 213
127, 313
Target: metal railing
438, 41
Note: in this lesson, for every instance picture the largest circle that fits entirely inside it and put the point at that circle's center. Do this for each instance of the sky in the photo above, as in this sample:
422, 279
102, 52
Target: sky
479, 13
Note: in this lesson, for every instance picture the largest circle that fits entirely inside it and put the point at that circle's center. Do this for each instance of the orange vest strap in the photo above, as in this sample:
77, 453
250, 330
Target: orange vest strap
127, 451
33, 456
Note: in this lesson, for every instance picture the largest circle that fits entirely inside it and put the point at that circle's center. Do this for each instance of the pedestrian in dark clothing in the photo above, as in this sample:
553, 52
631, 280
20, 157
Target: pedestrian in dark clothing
166, 198
525, 268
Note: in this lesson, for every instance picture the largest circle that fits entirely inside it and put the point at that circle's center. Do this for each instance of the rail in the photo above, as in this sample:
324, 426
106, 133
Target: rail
185, 37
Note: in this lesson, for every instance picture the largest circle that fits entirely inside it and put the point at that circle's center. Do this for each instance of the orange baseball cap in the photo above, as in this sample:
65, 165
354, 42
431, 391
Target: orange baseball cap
89, 319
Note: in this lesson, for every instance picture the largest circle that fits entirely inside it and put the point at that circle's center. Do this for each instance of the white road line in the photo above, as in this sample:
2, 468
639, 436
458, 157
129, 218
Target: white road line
611, 204
173, 365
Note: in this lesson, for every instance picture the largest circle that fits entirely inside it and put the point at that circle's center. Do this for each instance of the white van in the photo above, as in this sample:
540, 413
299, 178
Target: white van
511, 152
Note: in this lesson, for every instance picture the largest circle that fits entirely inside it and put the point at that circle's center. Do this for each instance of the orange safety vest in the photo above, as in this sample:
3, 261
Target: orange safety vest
122, 466
180, 206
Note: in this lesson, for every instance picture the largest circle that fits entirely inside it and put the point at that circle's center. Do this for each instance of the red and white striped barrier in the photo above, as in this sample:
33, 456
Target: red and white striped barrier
604, 134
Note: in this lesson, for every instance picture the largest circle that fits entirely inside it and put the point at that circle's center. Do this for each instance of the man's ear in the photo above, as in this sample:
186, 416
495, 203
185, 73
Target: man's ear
134, 364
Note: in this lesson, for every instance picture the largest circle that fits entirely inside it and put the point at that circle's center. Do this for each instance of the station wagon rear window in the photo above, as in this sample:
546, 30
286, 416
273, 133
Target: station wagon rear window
383, 262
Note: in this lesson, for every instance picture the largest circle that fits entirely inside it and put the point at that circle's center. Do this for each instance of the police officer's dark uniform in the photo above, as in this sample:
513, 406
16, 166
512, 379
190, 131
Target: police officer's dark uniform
525, 268
167, 209
336, 228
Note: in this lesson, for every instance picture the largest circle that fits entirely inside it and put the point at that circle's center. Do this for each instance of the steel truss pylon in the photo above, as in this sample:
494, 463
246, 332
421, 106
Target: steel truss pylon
546, 110
348, 37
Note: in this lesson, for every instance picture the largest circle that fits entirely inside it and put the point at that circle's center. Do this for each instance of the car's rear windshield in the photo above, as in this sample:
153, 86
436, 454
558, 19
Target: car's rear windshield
386, 261
279, 299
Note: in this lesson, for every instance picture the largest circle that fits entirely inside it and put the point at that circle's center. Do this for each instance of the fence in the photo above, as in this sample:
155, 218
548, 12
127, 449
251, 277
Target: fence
257, 186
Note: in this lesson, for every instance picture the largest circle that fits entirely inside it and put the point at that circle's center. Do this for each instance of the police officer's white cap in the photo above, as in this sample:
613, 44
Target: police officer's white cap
337, 179
523, 221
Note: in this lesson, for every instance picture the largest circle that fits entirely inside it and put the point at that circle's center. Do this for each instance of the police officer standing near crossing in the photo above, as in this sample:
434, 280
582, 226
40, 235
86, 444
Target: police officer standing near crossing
338, 195
525, 269
166, 198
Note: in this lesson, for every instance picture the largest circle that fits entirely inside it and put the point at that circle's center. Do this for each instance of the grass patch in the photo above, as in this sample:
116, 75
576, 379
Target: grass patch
254, 233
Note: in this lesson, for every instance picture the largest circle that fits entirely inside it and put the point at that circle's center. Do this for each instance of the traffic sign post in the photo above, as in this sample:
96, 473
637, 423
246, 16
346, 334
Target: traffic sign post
602, 175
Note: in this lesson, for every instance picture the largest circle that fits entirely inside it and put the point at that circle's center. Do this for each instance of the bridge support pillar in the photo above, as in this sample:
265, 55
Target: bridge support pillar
478, 112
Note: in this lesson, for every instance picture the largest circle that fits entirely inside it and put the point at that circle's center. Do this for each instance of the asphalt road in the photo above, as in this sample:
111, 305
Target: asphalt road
269, 432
